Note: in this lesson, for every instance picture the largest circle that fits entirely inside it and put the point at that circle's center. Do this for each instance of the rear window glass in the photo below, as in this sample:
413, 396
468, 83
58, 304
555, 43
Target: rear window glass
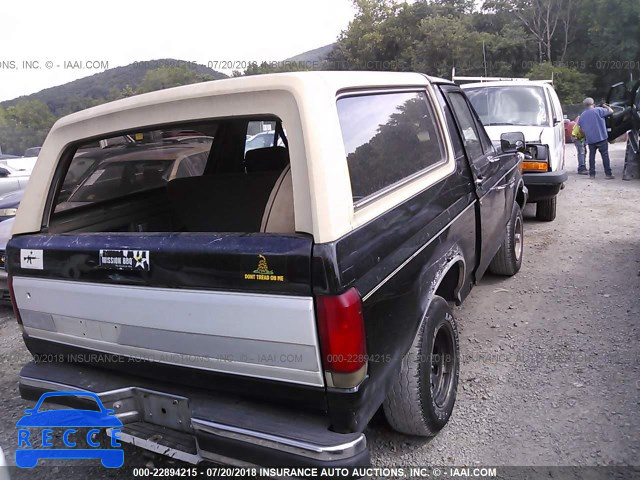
196, 177
122, 165
387, 137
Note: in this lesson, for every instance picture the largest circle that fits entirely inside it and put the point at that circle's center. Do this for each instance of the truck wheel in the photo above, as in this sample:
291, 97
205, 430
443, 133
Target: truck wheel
546, 210
508, 260
421, 399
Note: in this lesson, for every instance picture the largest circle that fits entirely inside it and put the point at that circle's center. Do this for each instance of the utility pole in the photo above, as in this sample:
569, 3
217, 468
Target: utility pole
484, 59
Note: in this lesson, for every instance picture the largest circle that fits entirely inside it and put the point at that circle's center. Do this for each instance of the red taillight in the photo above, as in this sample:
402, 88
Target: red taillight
13, 299
341, 329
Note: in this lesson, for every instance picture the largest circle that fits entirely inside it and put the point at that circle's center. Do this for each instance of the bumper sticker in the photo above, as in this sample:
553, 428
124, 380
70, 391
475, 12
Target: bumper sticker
125, 259
31, 259
262, 272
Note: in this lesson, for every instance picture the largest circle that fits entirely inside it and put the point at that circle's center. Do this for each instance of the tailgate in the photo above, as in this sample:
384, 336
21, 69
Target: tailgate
232, 303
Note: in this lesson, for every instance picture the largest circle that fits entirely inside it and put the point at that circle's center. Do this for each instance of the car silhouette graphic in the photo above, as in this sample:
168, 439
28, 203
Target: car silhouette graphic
69, 419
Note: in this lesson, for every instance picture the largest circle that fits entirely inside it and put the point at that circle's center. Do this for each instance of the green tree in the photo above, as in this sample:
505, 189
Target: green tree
379, 37
572, 85
549, 22
273, 67
608, 41
446, 42
24, 125
170, 76
31, 114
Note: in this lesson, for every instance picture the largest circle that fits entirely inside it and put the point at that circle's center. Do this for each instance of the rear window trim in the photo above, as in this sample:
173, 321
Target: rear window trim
369, 199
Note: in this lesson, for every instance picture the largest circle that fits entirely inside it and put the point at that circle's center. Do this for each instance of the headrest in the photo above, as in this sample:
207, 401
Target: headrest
269, 159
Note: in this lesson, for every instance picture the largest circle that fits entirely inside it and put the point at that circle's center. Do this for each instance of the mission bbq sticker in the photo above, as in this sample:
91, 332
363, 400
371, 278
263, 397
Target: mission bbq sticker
125, 259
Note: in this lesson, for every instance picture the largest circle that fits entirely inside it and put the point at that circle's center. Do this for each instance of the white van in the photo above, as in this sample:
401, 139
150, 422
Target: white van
533, 108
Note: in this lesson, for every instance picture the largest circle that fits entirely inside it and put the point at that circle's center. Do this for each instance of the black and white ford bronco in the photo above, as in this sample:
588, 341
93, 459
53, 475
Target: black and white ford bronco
248, 305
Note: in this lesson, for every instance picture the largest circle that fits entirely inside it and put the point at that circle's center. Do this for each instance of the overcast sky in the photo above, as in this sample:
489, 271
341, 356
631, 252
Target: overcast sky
120, 32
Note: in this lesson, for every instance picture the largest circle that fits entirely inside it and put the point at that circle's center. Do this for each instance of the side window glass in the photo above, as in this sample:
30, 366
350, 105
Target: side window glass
451, 125
467, 125
554, 113
487, 145
388, 137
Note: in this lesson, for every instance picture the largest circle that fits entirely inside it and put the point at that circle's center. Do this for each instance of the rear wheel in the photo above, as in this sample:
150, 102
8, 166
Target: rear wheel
424, 393
546, 210
508, 260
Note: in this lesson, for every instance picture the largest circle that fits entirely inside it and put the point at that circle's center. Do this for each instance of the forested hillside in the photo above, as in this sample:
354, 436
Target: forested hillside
25, 121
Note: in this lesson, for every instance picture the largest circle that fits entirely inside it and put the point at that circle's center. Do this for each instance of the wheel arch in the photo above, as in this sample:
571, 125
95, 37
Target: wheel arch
448, 282
451, 280
521, 194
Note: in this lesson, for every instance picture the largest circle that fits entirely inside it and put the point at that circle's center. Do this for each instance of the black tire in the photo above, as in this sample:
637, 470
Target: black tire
546, 210
508, 260
421, 399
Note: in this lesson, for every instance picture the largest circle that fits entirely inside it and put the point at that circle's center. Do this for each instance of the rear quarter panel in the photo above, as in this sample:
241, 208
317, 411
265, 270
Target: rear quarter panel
395, 263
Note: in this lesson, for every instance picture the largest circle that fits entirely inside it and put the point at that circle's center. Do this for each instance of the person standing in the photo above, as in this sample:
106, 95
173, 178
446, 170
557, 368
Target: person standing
592, 123
577, 135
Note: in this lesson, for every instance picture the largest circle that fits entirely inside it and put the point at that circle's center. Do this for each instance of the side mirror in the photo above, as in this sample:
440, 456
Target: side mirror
512, 142
4, 172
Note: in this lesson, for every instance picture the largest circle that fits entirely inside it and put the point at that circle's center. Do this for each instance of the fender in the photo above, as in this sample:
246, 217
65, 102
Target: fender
452, 258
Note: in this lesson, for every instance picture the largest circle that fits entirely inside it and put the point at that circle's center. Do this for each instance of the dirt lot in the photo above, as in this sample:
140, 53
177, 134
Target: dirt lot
550, 374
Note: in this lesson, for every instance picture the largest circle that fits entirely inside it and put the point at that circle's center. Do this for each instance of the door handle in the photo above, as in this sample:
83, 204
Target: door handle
492, 159
479, 181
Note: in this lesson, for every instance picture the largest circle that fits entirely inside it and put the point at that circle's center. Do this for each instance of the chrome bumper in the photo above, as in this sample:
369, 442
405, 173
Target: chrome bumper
176, 418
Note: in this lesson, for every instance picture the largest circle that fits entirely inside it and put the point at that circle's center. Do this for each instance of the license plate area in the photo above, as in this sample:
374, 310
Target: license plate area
166, 410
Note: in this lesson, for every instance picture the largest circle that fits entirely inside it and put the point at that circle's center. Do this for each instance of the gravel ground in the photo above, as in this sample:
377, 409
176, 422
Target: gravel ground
551, 369
550, 374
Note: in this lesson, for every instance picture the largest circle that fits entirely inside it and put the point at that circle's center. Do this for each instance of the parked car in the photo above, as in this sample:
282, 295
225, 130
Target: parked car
5, 235
261, 140
32, 152
9, 203
532, 107
12, 179
263, 310
23, 165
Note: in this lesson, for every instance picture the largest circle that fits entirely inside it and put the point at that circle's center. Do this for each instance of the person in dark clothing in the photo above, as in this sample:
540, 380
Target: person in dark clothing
592, 123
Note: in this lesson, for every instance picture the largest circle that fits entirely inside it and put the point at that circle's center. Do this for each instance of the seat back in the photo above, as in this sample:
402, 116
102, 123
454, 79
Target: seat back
221, 203
267, 159
278, 214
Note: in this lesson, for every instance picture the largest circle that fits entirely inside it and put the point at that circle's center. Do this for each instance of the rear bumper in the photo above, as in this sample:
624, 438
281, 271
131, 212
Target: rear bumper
197, 426
544, 185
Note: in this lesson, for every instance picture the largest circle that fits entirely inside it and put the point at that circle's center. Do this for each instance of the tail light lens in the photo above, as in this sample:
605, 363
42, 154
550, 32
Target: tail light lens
341, 329
13, 299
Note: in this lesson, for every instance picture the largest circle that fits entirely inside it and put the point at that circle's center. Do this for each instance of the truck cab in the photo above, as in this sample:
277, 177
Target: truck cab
258, 306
